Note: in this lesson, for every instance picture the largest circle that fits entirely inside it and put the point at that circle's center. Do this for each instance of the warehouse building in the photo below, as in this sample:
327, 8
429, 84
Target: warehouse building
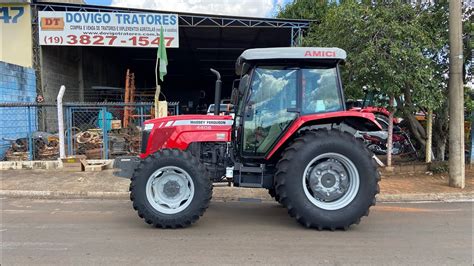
94, 70
89, 49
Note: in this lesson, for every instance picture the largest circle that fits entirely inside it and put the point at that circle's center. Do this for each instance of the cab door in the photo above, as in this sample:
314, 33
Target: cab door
269, 108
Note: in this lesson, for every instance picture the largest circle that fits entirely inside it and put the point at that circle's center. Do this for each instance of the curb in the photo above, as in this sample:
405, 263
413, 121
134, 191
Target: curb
44, 165
440, 197
62, 194
219, 196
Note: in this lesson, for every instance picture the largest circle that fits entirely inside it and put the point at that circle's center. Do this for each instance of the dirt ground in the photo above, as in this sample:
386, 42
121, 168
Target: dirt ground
423, 183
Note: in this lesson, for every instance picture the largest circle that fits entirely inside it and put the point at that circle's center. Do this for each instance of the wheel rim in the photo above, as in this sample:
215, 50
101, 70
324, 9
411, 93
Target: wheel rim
331, 181
170, 190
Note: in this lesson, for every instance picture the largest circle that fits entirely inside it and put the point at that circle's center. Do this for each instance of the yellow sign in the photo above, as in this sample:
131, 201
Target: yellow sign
15, 29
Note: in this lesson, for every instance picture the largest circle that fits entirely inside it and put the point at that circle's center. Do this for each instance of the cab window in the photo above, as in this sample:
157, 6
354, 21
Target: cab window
320, 91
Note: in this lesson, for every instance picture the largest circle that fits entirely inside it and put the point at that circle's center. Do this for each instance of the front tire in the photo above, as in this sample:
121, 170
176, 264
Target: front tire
170, 189
327, 179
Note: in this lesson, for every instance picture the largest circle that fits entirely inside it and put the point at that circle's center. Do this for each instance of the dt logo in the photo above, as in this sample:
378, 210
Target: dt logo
52, 23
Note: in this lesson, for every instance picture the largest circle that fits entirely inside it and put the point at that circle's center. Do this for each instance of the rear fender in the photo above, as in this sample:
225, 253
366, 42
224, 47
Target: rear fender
356, 120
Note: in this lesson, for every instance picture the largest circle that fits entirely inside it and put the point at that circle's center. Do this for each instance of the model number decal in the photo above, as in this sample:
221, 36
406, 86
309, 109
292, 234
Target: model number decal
204, 127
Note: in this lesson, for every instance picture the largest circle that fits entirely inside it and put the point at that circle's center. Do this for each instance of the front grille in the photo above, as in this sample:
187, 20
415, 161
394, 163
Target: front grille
145, 136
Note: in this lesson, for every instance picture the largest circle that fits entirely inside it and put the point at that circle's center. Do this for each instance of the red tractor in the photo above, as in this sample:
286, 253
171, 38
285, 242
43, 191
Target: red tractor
291, 135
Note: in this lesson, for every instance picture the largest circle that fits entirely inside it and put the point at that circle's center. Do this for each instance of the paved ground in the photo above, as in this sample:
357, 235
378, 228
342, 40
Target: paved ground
95, 232
105, 185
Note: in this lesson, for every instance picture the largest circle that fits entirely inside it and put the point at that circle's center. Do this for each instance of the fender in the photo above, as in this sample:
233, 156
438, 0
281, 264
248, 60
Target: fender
177, 132
323, 119
376, 110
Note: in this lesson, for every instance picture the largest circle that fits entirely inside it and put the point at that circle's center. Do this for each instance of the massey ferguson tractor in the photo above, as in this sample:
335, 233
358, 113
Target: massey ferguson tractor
291, 135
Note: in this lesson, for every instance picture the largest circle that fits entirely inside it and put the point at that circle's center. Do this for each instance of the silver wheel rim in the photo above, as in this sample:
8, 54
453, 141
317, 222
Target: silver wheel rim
170, 190
331, 181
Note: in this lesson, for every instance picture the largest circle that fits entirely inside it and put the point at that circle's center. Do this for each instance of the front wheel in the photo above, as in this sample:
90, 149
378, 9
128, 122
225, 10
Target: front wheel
327, 179
170, 189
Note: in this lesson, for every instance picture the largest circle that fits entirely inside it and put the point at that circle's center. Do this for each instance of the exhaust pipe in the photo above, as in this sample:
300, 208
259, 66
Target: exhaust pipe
217, 94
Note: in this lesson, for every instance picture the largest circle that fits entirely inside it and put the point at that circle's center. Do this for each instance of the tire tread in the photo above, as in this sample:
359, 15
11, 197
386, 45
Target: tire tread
282, 176
184, 220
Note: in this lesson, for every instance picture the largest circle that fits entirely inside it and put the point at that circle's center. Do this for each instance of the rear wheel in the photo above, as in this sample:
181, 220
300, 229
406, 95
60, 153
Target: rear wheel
170, 189
327, 179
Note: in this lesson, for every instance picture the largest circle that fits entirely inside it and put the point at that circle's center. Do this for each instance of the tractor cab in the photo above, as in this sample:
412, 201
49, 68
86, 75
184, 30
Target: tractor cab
278, 85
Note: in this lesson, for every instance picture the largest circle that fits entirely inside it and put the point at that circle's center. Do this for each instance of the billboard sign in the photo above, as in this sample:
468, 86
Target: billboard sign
107, 29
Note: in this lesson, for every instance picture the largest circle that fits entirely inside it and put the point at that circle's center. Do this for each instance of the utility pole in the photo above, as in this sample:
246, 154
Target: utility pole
390, 135
456, 97
429, 134
471, 161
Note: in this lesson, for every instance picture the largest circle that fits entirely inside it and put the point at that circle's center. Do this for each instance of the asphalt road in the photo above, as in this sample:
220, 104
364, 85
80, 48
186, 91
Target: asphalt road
94, 232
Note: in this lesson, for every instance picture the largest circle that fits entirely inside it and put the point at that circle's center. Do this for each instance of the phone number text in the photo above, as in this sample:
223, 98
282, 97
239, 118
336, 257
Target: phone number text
110, 40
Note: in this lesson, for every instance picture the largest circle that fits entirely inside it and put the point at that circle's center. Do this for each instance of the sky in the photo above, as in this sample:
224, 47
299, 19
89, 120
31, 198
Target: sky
250, 8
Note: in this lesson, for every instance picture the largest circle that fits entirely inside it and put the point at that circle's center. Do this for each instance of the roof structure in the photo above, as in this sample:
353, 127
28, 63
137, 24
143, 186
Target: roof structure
205, 41
300, 53
294, 53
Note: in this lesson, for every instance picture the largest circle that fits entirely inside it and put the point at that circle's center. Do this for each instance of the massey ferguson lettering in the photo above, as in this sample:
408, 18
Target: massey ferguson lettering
320, 54
201, 123
207, 122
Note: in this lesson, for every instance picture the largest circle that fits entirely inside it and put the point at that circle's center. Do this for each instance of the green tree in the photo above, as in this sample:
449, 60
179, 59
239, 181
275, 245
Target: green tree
395, 48
306, 9
387, 48
434, 19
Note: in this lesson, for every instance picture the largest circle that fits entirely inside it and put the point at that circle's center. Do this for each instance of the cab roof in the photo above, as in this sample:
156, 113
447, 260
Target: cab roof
299, 53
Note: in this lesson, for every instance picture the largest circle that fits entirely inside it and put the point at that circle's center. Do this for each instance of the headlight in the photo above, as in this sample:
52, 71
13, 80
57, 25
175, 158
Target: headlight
148, 127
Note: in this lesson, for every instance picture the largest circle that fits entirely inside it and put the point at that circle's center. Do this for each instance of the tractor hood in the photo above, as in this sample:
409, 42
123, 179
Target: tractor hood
177, 132
189, 120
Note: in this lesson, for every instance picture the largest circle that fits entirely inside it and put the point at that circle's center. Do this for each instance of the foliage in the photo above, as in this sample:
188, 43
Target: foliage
469, 100
306, 9
439, 168
395, 48
386, 46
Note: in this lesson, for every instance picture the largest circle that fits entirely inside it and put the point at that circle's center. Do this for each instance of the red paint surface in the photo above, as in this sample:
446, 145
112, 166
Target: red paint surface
314, 117
375, 110
179, 137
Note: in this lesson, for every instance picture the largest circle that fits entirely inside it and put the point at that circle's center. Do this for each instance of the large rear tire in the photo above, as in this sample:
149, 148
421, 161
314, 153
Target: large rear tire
327, 179
170, 189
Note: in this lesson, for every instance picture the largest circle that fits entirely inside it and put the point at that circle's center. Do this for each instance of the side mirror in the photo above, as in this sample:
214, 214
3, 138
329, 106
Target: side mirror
234, 97
249, 112
243, 84
235, 83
